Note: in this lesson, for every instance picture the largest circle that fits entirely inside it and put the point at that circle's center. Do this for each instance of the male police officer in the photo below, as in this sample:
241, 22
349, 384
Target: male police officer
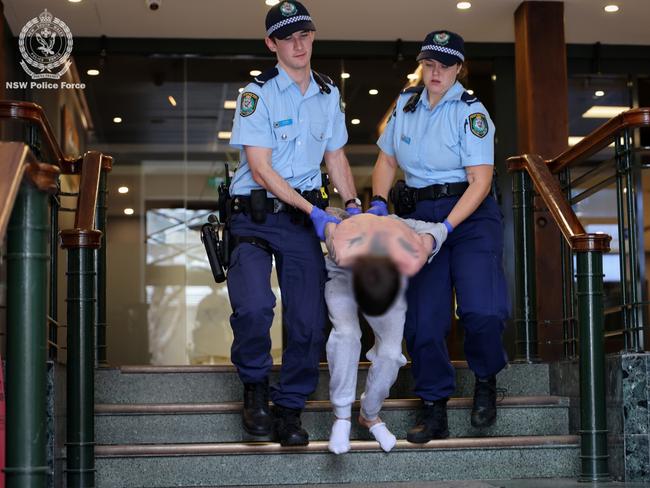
289, 118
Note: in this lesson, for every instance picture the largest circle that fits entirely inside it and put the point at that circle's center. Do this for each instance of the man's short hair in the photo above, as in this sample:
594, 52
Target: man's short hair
376, 282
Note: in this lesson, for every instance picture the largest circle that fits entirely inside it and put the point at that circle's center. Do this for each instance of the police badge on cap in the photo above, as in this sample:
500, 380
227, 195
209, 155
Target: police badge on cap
443, 46
288, 17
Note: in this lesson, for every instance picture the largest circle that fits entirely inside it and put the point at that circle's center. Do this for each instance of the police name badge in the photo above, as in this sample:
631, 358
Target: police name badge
478, 125
288, 9
45, 43
248, 104
441, 38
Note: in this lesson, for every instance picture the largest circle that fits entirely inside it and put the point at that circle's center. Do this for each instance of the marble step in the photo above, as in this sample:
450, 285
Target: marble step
215, 384
257, 464
221, 422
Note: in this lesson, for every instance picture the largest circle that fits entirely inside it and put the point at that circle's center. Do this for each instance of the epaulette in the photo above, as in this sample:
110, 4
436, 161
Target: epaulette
468, 99
322, 81
269, 74
412, 102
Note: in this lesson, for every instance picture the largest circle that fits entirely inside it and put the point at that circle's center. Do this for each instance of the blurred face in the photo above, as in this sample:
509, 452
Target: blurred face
438, 77
294, 51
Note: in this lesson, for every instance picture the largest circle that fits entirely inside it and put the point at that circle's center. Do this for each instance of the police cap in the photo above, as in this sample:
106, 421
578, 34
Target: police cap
443, 46
287, 17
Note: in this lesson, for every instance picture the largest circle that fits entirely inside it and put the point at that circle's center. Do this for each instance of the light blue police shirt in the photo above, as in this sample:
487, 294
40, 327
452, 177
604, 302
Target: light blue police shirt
434, 146
299, 128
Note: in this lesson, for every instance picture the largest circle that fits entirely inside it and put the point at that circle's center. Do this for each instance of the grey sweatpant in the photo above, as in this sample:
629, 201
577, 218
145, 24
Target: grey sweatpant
344, 346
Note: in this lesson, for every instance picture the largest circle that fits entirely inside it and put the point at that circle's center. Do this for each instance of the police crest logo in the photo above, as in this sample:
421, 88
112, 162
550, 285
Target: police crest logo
248, 104
45, 43
441, 38
288, 9
478, 125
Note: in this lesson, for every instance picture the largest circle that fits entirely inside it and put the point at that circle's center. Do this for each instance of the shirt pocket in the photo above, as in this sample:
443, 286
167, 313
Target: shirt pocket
285, 141
320, 130
407, 151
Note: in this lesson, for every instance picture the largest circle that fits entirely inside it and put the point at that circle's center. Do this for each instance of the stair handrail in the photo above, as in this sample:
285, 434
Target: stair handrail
599, 139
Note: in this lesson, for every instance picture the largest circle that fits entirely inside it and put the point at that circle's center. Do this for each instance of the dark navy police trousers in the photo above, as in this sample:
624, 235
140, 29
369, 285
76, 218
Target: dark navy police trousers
469, 262
301, 274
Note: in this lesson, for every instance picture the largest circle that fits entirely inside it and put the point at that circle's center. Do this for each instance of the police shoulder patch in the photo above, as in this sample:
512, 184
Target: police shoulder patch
478, 124
248, 104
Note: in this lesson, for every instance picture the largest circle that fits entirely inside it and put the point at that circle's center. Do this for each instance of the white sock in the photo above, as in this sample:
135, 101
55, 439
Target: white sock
340, 437
384, 436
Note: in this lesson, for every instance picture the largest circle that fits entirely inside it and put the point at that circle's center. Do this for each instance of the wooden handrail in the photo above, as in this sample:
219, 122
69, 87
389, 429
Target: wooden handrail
600, 138
12, 109
550, 191
17, 162
88, 190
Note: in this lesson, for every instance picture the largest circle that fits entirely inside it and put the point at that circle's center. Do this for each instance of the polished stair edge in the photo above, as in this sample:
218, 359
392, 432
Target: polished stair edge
321, 446
225, 368
313, 406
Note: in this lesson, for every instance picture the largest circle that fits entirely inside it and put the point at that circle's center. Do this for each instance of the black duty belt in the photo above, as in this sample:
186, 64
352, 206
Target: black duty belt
273, 205
434, 192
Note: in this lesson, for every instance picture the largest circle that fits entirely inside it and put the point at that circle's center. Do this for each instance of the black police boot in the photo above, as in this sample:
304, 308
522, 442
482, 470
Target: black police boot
287, 427
484, 409
256, 416
431, 423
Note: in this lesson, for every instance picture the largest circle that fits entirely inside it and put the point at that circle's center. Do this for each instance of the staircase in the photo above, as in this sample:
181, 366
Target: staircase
181, 426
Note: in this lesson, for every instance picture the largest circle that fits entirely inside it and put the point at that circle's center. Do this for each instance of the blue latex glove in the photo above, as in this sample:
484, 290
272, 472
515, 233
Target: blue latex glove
353, 210
377, 207
320, 218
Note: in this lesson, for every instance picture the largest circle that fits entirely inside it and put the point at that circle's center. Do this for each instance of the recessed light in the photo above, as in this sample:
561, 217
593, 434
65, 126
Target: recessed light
230, 104
123, 189
336, 190
92, 72
74, 1
272, 2
373, 91
117, 120
172, 100
412, 76
463, 5
599, 93
224, 134
345, 76
355, 121
494, 77
610, 9
240, 90
471, 92
129, 211
603, 112
255, 72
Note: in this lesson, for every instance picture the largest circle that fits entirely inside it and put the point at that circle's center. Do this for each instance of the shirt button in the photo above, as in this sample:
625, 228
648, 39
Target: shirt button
284, 136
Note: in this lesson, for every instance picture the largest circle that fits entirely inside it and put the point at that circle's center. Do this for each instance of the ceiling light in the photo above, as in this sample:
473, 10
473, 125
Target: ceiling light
224, 134
373, 91
117, 120
494, 77
128, 211
336, 190
230, 104
599, 93
255, 72
471, 92
92, 72
463, 5
355, 121
74, 1
123, 189
603, 112
345, 76
172, 100
610, 9
412, 76
240, 90
270, 3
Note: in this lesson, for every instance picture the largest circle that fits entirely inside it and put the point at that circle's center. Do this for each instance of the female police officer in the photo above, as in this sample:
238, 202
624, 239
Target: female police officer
289, 119
443, 139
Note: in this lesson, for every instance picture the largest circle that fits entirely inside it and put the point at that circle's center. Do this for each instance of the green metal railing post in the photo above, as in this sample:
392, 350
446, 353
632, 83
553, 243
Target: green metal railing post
80, 443
27, 255
100, 277
53, 329
593, 418
525, 287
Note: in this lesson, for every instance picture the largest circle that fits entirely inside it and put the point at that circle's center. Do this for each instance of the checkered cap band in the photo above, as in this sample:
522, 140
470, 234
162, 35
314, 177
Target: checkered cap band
443, 49
290, 20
